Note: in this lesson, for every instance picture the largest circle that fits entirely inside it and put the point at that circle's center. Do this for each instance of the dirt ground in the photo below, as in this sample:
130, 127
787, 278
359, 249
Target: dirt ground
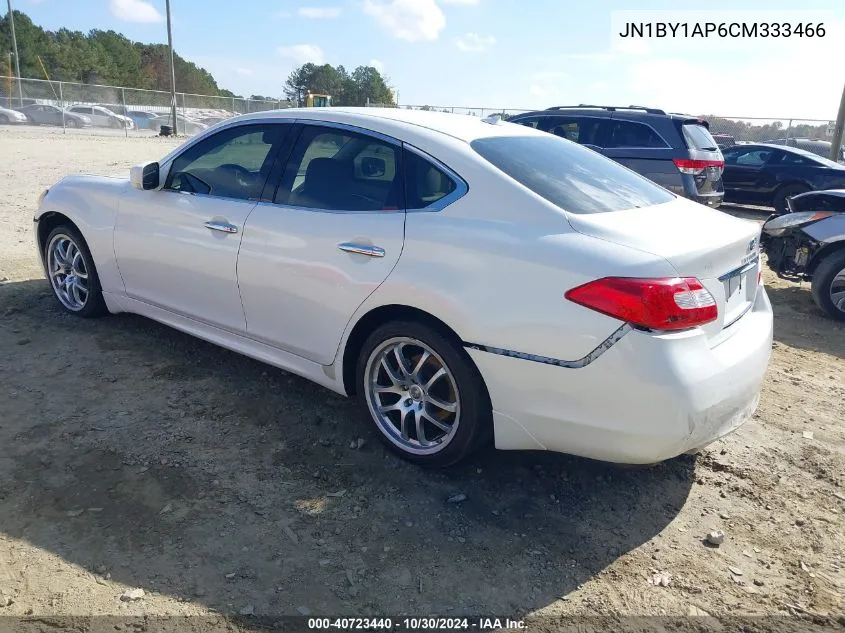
133, 456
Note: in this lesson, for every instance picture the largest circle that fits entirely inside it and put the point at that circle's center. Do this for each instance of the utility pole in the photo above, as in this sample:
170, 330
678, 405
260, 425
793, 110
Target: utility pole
837, 131
17, 57
172, 71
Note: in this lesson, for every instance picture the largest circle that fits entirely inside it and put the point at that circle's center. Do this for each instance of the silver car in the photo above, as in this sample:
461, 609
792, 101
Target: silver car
8, 117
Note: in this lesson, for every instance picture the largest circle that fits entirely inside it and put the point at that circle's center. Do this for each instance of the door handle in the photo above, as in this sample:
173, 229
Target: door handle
361, 249
221, 226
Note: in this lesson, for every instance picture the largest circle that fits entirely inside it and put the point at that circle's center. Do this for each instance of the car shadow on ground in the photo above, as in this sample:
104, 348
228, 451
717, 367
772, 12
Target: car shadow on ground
138, 452
800, 323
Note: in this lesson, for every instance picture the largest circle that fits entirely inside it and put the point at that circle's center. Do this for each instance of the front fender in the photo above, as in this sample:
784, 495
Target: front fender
91, 203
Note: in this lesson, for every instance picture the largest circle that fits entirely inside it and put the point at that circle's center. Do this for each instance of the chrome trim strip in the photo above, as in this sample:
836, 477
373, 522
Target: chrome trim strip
602, 347
745, 311
739, 270
361, 249
459, 192
350, 128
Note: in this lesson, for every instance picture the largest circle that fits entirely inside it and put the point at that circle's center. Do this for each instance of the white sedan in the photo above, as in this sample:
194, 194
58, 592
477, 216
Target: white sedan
468, 280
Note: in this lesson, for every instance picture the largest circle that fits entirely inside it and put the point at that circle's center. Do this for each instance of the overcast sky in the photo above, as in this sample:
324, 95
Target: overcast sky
494, 53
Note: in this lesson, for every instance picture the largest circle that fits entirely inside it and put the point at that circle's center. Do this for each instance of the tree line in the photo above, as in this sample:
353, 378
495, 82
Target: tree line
110, 58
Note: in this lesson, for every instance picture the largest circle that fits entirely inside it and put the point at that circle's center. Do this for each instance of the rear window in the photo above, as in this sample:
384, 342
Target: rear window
698, 137
572, 177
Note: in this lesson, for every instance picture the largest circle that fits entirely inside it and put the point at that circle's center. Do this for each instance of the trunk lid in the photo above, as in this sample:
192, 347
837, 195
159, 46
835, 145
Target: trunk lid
720, 250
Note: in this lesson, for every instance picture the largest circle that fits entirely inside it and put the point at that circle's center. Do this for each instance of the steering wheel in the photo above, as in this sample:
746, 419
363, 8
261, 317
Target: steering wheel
242, 174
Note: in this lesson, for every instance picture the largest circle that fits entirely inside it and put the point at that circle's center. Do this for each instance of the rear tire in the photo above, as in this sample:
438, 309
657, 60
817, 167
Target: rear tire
828, 285
787, 191
432, 410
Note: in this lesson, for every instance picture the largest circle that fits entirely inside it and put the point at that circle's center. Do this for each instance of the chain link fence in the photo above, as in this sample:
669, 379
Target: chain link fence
131, 111
94, 108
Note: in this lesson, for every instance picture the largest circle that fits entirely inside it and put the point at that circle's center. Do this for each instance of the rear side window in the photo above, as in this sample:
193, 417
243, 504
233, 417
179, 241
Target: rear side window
572, 177
338, 170
630, 134
788, 158
699, 137
425, 184
578, 130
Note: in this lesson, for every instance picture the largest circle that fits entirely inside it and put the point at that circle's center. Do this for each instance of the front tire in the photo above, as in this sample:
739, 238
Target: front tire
71, 123
828, 285
423, 393
787, 191
72, 274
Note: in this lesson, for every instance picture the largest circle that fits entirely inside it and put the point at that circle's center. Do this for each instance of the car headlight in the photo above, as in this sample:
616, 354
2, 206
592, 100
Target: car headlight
20, 116
776, 226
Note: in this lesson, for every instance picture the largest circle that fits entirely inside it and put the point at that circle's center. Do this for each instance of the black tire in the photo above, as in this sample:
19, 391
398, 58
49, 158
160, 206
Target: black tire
823, 278
71, 123
474, 412
4, 119
786, 191
95, 305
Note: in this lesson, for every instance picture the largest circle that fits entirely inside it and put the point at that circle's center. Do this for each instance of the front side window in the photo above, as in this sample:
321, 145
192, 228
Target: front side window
339, 170
425, 184
568, 175
630, 134
753, 157
233, 163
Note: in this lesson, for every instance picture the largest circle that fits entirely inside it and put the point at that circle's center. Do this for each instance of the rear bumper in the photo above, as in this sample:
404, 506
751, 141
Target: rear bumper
648, 398
710, 199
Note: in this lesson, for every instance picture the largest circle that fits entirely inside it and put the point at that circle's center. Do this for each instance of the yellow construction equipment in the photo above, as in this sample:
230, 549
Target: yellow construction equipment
316, 100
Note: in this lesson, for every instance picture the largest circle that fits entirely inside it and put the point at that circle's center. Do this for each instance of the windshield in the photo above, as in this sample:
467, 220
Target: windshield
568, 175
698, 137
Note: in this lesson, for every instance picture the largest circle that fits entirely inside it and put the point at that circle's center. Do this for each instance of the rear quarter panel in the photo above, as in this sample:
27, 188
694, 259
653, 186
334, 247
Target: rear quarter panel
495, 265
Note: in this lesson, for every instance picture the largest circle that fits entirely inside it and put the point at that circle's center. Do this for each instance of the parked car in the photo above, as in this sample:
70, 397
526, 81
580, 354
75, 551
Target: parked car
212, 120
103, 117
185, 125
815, 146
768, 175
142, 118
808, 244
467, 279
676, 151
724, 140
8, 116
42, 114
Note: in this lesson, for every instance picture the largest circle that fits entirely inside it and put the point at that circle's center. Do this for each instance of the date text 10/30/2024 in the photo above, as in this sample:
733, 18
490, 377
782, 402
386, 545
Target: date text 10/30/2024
415, 624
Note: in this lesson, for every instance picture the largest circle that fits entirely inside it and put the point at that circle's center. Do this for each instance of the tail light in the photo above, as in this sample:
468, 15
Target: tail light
656, 304
696, 167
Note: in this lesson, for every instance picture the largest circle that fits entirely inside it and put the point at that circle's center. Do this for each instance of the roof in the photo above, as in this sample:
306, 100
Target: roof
461, 126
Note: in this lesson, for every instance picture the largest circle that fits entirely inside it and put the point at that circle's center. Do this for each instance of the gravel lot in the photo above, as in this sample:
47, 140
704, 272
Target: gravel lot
133, 456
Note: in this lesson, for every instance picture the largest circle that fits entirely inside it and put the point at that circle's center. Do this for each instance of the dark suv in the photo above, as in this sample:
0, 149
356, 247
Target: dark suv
674, 150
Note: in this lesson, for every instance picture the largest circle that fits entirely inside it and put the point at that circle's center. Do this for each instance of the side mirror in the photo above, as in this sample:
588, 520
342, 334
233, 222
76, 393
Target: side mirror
373, 167
144, 176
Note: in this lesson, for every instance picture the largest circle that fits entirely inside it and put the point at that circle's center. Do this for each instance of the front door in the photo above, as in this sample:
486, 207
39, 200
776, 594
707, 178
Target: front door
332, 234
177, 247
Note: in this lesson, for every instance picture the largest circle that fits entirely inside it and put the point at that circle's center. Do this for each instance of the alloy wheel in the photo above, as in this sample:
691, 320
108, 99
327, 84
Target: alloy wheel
68, 272
412, 395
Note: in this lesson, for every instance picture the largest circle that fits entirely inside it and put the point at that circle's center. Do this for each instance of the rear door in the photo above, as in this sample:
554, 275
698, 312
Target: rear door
584, 130
330, 236
641, 148
747, 177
